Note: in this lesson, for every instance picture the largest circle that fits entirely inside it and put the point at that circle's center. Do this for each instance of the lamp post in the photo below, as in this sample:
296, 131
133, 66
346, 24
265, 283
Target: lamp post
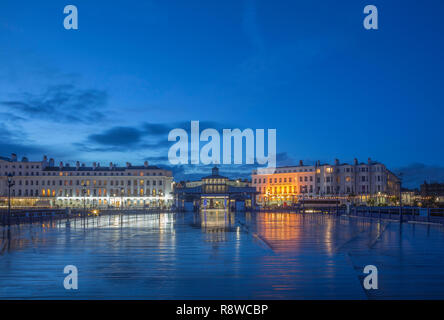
121, 197
400, 198
304, 188
337, 200
10, 184
84, 197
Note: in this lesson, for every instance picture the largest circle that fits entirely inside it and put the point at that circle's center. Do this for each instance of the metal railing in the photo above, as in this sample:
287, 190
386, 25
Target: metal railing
24, 216
404, 214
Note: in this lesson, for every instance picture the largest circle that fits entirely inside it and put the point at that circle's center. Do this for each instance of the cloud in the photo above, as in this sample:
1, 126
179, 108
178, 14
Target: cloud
283, 159
185, 172
21, 149
144, 136
150, 141
9, 143
120, 139
157, 159
10, 117
62, 103
162, 129
4, 133
117, 136
415, 174
156, 129
196, 172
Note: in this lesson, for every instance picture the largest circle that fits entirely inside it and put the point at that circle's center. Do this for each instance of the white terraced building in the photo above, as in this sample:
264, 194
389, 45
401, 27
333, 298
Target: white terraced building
41, 183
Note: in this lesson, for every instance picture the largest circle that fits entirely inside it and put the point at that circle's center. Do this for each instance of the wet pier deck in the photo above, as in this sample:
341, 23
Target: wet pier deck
222, 256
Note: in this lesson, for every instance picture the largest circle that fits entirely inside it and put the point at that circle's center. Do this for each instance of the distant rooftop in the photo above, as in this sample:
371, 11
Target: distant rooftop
48, 165
73, 168
215, 174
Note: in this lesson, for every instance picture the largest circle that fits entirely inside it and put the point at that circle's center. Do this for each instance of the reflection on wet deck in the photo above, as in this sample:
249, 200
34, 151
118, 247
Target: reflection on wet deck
217, 255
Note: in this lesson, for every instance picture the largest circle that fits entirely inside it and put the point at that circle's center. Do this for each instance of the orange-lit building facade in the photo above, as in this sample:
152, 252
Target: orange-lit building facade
358, 182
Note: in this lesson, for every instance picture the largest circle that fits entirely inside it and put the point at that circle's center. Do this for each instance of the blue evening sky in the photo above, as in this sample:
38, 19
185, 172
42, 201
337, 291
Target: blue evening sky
112, 90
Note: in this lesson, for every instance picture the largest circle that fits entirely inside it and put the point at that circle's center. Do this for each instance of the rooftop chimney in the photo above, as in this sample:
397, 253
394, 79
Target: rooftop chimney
301, 163
128, 164
77, 165
356, 162
61, 165
110, 165
145, 164
369, 160
44, 162
13, 157
94, 165
336, 162
51, 162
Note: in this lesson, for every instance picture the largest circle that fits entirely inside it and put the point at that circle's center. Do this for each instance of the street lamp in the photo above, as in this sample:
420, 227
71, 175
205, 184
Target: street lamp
400, 197
337, 201
84, 197
304, 189
10, 184
122, 190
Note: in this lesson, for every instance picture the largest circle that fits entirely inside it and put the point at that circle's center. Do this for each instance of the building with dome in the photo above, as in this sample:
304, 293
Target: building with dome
214, 192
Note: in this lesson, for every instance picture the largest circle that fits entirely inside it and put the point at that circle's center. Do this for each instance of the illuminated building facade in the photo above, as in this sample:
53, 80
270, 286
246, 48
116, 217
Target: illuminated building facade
432, 192
214, 192
358, 181
41, 183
